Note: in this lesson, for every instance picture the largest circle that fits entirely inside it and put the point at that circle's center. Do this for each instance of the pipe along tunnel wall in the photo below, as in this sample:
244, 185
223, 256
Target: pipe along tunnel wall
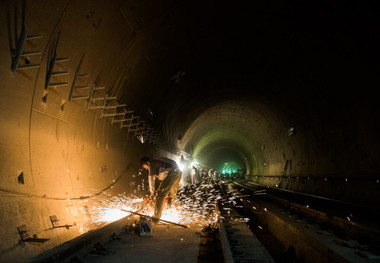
58, 152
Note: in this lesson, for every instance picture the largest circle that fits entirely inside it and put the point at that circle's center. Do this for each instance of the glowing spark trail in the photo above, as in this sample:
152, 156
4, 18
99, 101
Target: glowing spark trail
102, 211
195, 205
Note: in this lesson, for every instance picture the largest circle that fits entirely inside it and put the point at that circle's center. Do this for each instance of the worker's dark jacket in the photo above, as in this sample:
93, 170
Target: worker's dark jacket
159, 169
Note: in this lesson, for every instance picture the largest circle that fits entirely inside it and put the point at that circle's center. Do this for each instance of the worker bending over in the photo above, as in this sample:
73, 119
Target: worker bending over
166, 173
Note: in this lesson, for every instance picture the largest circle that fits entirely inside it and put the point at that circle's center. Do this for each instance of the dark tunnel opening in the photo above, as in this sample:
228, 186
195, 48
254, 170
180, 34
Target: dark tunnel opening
228, 162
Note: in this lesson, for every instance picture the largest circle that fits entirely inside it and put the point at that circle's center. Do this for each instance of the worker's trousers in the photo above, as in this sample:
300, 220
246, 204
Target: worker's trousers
169, 185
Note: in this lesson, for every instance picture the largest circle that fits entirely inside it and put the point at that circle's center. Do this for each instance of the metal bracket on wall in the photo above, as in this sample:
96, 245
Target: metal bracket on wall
135, 128
18, 52
130, 123
132, 127
51, 73
78, 76
52, 60
126, 121
150, 134
55, 222
140, 130
104, 112
105, 100
90, 98
25, 236
116, 119
287, 167
115, 113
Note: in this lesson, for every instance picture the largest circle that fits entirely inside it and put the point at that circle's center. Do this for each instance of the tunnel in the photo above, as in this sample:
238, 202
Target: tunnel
279, 94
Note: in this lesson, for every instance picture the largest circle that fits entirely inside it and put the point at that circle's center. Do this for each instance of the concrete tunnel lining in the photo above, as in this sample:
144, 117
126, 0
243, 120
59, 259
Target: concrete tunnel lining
219, 76
253, 128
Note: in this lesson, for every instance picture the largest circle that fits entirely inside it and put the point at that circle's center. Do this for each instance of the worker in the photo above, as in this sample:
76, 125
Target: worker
210, 176
164, 176
193, 174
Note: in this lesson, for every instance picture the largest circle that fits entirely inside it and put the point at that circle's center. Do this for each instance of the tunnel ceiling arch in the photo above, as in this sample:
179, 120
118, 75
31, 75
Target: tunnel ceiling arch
240, 129
181, 58
181, 55
176, 59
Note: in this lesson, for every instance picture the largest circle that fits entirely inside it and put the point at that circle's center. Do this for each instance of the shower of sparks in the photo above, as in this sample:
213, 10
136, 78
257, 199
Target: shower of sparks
173, 214
195, 206
102, 211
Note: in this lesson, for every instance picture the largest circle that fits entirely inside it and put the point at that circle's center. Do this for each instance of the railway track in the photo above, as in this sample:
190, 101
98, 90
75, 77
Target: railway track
238, 241
295, 228
255, 224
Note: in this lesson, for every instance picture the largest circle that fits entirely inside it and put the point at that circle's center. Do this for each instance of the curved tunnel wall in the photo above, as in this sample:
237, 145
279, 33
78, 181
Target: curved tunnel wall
327, 157
244, 125
54, 152
282, 150
60, 157
259, 131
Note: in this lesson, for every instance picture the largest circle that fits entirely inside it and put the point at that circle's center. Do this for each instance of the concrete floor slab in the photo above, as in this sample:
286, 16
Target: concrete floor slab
168, 243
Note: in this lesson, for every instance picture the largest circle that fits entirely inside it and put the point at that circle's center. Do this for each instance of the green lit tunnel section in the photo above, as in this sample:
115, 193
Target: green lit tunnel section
229, 162
235, 138
231, 169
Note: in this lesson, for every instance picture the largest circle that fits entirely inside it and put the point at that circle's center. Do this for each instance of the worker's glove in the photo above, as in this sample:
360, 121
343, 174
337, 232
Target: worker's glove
149, 202
152, 196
